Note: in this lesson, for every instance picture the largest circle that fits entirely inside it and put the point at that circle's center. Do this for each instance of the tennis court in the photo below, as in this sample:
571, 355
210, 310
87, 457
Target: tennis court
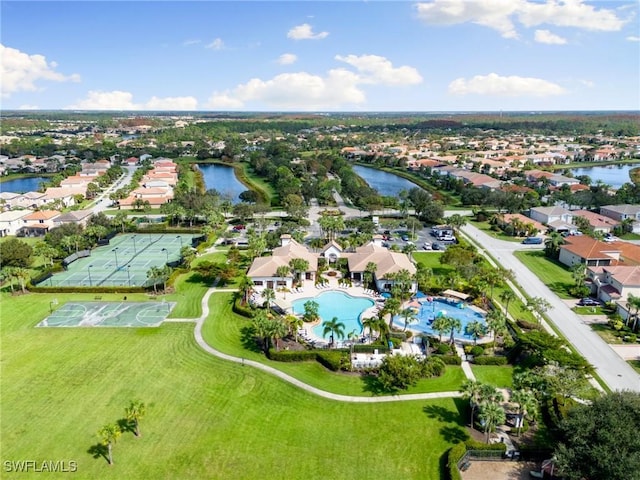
124, 262
109, 314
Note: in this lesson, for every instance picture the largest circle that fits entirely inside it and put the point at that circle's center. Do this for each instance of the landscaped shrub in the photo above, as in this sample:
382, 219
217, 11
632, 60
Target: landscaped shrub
396, 342
472, 444
244, 310
330, 359
477, 350
433, 367
443, 349
292, 355
449, 359
361, 348
454, 455
490, 360
528, 325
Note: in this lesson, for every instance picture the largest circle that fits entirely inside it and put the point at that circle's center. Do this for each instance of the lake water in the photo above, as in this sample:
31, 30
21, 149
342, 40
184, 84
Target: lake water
385, 183
223, 179
23, 185
613, 175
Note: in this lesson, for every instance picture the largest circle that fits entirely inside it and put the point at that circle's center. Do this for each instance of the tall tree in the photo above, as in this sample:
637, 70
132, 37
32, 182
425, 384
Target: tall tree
471, 390
134, 413
409, 316
476, 329
109, 435
491, 415
15, 253
269, 296
526, 402
333, 327
507, 296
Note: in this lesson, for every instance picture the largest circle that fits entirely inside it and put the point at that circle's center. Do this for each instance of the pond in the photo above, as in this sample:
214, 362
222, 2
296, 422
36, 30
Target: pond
613, 175
23, 185
223, 179
385, 183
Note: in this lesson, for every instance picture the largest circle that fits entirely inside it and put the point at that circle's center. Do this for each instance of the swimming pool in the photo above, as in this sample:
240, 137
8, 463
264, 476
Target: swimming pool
337, 304
429, 310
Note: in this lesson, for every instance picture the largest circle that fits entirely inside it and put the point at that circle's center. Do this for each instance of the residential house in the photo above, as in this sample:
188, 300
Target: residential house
156, 196
37, 223
80, 217
557, 218
623, 213
65, 195
387, 264
600, 223
589, 251
615, 284
11, 221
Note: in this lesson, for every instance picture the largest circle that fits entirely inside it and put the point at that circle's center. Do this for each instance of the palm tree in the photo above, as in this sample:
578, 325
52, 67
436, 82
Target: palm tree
409, 316
23, 276
441, 325
538, 305
457, 221
472, 390
526, 402
455, 325
134, 413
392, 307
353, 336
269, 296
109, 435
277, 330
476, 329
506, 297
295, 323
311, 311
369, 273
371, 323
496, 322
298, 266
261, 328
46, 251
333, 327
552, 245
491, 415
282, 271
246, 287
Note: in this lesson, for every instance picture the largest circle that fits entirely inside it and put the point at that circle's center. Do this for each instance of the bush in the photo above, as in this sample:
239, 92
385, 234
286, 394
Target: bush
292, 355
477, 350
244, 310
525, 325
361, 348
433, 367
449, 359
454, 455
443, 349
330, 359
490, 360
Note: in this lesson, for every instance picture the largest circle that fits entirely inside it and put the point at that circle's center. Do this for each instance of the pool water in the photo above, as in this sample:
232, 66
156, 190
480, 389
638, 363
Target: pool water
429, 310
346, 308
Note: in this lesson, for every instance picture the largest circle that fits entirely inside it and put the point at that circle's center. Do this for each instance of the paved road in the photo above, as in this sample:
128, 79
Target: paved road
615, 372
102, 202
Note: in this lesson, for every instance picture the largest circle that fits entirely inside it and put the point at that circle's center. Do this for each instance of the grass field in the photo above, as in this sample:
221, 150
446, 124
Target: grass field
486, 228
498, 376
552, 273
635, 364
206, 418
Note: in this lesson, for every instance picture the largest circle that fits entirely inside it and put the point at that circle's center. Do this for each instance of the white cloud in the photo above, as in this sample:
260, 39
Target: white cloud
378, 70
568, 13
119, 100
545, 36
287, 59
223, 101
217, 44
171, 103
186, 43
338, 88
512, 86
305, 32
28, 107
494, 14
500, 14
20, 71
300, 91
633, 38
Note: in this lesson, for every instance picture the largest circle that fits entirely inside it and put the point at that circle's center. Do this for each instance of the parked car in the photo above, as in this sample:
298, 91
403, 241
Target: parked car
405, 238
588, 302
532, 241
426, 246
436, 246
239, 227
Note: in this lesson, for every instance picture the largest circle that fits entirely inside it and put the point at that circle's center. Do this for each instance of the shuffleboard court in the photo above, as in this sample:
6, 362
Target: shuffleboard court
109, 314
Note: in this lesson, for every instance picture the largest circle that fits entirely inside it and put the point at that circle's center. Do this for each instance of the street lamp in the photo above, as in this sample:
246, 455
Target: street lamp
134, 245
128, 275
89, 272
180, 237
115, 252
166, 252
52, 303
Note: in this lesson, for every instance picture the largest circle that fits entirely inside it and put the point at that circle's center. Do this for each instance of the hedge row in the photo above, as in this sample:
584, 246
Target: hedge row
243, 310
455, 454
490, 360
369, 348
331, 359
120, 289
449, 359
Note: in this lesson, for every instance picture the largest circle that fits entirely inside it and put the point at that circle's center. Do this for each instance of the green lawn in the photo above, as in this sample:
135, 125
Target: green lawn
206, 418
606, 332
498, 376
226, 331
432, 260
635, 364
552, 273
486, 227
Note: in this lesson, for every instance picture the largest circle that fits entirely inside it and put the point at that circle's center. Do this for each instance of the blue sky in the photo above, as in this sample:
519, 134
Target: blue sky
436, 55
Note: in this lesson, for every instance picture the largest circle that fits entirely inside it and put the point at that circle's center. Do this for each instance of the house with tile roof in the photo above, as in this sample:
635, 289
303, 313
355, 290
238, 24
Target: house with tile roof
556, 218
622, 213
600, 223
37, 223
589, 251
11, 221
80, 217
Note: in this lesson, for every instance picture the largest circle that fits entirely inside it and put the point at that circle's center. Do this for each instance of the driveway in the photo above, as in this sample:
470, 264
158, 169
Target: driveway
615, 372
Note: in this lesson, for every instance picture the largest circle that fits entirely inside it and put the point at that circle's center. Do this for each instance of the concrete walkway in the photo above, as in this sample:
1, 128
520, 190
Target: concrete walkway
294, 381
